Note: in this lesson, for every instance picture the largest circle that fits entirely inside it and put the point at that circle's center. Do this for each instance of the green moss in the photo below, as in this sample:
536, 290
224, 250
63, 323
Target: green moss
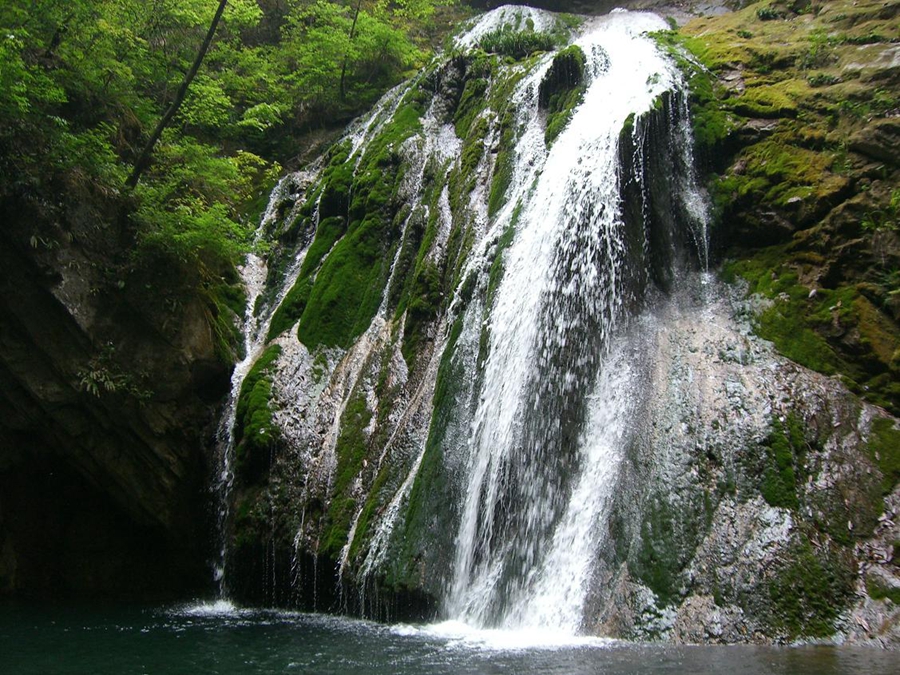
348, 287
291, 308
785, 450
783, 324
562, 90
503, 166
656, 563
350, 451
878, 590
334, 199
669, 537
374, 499
811, 329
470, 105
225, 306
430, 493
255, 431
329, 231
347, 290
497, 264
884, 448
777, 171
473, 147
810, 590
710, 121
423, 306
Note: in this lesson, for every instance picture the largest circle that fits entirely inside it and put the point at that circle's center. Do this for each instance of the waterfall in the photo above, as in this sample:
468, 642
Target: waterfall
465, 442
554, 410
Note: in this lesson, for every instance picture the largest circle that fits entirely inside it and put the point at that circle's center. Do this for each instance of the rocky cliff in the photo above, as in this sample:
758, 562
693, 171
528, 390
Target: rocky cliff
757, 496
112, 373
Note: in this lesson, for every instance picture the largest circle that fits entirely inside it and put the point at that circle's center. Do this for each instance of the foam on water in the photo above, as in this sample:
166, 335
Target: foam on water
217, 608
461, 635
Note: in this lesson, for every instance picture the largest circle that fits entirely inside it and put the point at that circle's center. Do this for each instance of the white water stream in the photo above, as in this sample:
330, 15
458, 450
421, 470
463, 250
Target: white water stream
551, 425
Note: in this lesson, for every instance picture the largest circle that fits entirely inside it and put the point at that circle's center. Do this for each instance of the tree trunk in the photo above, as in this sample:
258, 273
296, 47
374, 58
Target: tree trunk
144, 159
346, 56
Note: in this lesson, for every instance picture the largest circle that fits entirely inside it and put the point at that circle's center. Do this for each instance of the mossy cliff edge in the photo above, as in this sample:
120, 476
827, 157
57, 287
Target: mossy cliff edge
797, 114
795, 110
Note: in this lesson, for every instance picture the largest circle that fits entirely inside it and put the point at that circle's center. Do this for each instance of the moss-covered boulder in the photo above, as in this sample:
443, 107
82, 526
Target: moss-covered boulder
562, 89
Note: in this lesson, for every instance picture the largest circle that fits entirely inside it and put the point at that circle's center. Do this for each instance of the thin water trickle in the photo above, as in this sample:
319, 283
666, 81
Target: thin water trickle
255, 327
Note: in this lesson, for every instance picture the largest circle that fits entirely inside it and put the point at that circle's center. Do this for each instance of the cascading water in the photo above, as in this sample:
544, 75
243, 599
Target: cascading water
479, 457
552, 420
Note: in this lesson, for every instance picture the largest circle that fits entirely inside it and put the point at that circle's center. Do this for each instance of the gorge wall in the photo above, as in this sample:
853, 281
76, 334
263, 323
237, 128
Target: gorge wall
112, 376
718, 375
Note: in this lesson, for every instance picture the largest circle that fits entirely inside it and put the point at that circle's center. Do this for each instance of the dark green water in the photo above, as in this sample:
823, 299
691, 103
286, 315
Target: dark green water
98, 641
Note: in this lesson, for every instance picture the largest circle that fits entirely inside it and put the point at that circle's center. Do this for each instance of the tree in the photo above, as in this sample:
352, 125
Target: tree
144, 158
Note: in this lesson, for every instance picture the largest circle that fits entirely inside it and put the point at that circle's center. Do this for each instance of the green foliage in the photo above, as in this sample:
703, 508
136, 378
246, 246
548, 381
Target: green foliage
83, 84
517, 44
104, 375
322, 42
190, 201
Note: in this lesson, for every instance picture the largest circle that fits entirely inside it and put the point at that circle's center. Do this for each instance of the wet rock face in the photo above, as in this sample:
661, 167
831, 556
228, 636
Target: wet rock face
718, 554
802, 133
105, 405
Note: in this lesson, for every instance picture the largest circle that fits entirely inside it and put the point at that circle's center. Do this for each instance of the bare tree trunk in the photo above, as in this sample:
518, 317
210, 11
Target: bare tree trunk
346, 56
144, 159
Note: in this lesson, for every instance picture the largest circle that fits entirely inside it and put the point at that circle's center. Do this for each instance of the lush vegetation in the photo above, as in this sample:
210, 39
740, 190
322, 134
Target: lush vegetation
84, 84
516, 44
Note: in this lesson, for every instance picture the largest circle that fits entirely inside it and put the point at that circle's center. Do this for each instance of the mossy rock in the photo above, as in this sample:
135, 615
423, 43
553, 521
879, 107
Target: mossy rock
562, 89
346, 290
255, 433
811, 588
350, 450
883, 447
785, 450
